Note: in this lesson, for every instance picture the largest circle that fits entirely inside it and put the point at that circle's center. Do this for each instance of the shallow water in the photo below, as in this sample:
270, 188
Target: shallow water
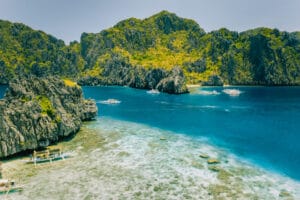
261, 124
124, 160
148, 147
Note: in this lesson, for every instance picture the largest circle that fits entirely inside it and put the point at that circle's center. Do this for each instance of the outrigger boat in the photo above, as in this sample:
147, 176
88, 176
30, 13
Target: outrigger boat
47, 155
8, 186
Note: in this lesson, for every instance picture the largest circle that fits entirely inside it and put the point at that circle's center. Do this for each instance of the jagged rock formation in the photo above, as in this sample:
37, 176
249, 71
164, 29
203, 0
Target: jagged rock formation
37, 112
172, 82
214, 80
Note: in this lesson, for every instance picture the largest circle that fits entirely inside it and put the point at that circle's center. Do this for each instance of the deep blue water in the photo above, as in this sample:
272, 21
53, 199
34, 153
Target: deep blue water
261, 125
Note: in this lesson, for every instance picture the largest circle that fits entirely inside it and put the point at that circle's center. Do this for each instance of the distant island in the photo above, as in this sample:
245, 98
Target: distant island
164, 52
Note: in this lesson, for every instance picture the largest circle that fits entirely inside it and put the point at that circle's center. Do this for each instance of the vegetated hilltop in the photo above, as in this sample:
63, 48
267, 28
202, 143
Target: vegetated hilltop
145, 53
27, 51
260, 56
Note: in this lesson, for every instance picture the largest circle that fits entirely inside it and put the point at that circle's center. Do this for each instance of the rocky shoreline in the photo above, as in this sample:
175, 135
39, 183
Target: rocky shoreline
36, 112
171, 82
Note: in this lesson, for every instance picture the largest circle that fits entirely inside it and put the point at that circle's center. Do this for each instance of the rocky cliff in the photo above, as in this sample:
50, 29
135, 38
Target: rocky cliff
129, 52
172, 82
37, 112
119, 71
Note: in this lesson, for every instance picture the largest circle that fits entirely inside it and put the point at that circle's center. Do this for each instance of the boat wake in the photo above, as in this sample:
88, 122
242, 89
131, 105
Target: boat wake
232, 92
110, 101
153, 91
207, 92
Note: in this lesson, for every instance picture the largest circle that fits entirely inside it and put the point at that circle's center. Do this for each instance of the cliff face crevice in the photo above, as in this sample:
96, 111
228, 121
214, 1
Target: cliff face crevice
36, 112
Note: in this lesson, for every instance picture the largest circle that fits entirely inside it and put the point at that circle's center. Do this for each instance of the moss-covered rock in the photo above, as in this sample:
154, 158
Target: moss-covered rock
214, 168
205, 156
285, 194
213, 161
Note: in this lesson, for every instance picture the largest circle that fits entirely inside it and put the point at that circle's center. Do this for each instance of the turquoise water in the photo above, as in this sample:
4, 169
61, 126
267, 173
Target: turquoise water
156, 147
260, 125
117, 159
2, 90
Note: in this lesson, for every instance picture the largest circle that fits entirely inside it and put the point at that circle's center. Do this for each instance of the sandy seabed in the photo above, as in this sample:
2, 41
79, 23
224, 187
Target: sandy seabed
123, 160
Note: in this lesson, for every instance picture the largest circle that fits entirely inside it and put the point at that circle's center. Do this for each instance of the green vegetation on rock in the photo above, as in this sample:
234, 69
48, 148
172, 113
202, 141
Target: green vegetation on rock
27, 51
131, 51
46, 106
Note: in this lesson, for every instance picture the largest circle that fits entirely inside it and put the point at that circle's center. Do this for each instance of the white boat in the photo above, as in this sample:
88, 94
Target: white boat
48, 155
47, 159
153, 91
232, 92
110, 101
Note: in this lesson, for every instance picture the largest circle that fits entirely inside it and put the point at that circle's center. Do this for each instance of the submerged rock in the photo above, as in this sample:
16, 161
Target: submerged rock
214, 168
213, 161
36, 112
285, 194
205, 156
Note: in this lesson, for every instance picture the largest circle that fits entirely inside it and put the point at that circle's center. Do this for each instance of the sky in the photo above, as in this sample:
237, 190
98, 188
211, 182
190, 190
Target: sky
68, 19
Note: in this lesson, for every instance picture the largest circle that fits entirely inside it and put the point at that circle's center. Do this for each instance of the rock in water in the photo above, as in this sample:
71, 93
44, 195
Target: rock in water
174, 83
36, 112
213, 161
214, 80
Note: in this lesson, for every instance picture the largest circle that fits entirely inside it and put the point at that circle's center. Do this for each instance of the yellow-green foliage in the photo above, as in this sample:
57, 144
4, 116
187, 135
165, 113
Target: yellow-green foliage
46, 106
58, 119
162, 57
70, 83
258, 56
94, 72
25, 50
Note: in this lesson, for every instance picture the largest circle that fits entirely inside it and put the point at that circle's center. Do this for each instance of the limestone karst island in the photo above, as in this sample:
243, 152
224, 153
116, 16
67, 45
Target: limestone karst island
152, 107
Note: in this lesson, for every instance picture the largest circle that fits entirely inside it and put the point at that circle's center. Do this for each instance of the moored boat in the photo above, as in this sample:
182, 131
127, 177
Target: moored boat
47, 155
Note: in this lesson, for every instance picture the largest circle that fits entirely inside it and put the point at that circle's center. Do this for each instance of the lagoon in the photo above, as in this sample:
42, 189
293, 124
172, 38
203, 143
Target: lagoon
154, 146
261, 124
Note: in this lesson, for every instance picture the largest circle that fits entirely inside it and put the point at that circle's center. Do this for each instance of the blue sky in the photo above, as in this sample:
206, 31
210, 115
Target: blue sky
67, 19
